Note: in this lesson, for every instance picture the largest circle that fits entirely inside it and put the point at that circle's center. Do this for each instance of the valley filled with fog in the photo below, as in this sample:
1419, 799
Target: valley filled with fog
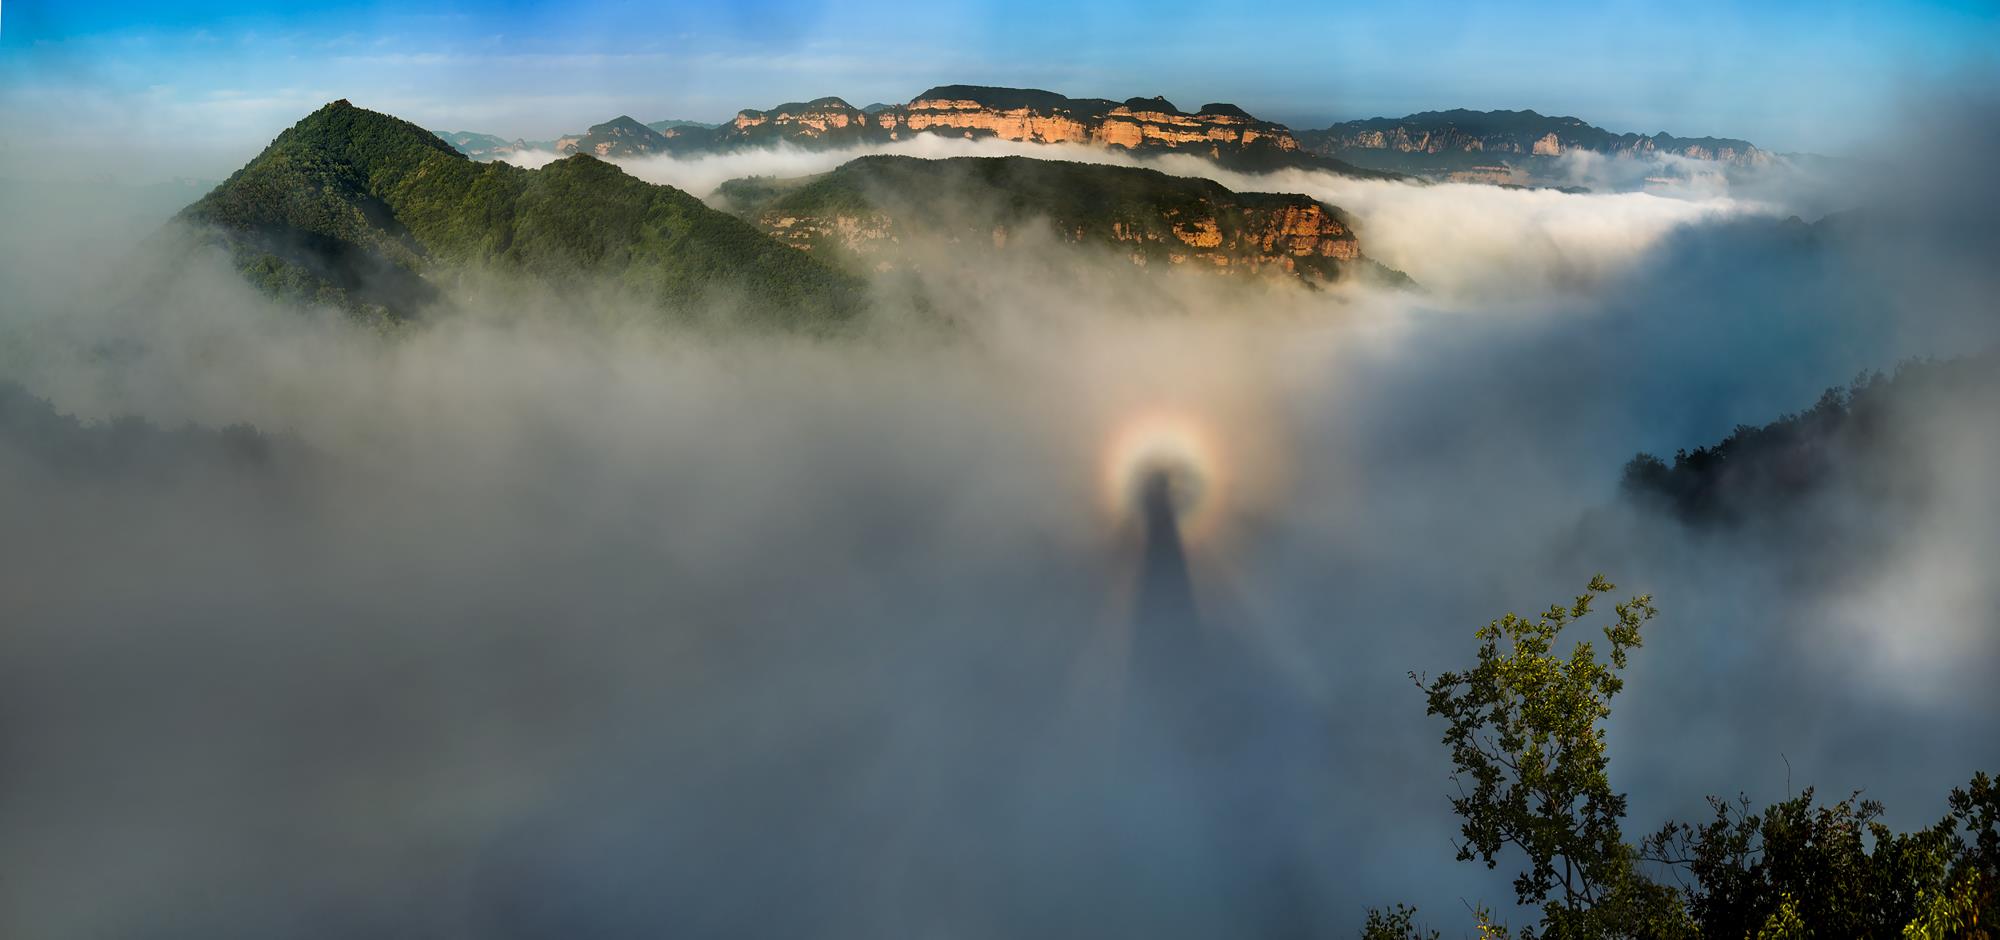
538, 616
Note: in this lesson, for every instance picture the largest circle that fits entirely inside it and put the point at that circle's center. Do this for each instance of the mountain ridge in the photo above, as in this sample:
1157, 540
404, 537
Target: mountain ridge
1460, 139
1219, 131
362, 210
1480, 146
871, 209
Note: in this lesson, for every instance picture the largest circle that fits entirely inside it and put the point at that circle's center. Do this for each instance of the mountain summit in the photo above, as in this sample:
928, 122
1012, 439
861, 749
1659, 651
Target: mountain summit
365, 211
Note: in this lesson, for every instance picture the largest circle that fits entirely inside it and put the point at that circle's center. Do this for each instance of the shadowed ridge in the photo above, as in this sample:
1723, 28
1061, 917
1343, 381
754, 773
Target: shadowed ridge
1224, 109
1157, 103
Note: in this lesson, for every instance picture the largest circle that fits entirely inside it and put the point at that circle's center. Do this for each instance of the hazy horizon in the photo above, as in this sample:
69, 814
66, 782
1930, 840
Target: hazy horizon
202, 86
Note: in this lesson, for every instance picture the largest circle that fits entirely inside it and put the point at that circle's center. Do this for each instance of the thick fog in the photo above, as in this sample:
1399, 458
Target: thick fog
533, 618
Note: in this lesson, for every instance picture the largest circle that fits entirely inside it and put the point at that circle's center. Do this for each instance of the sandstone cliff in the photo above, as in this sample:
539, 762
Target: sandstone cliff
1046, 117
1015, 114
1221, 132
826, 121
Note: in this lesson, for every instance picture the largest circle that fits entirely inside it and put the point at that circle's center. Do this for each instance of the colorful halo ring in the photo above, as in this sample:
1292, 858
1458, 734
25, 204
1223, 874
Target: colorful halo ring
1165, 442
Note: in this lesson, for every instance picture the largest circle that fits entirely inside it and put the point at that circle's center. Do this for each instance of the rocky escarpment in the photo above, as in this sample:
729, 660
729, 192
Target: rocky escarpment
1221, 132
825, 121
1014, 114
1049, 118
882, 211
1523, 133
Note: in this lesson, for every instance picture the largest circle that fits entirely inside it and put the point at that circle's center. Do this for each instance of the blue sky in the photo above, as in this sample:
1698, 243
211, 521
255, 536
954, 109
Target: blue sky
201, 85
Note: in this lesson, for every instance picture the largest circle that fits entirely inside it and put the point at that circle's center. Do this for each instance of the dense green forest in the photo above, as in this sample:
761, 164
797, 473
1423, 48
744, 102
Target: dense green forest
354, 208
1526, 733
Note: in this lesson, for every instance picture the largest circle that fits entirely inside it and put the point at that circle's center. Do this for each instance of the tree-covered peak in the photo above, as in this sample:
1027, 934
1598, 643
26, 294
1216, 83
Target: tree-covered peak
624, 122
1224, 109
358, 209
1157, 103
360, 136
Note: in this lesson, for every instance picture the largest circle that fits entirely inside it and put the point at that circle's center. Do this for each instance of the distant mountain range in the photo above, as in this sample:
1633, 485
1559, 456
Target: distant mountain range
672, 125
490, 146
473, 143
1443, 143
1222, 132
377, 216
1486, 146
373, 214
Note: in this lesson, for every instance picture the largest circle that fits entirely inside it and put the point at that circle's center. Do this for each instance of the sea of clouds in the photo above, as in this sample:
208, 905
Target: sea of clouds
526, 623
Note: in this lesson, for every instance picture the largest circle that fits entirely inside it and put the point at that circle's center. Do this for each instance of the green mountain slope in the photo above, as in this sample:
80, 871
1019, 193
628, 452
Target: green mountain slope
1866, 441
362, 210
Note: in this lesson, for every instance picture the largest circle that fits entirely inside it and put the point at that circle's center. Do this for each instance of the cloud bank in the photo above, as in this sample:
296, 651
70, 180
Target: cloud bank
1473, 242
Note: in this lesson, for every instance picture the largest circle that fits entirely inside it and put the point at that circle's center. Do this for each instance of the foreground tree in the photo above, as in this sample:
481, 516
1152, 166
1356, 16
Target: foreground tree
1799, 870
1525, 729
1525, 726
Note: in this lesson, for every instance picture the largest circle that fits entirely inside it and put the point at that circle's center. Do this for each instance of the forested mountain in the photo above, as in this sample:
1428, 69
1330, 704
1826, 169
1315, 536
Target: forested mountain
362, 210
874, 208
1867, 439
